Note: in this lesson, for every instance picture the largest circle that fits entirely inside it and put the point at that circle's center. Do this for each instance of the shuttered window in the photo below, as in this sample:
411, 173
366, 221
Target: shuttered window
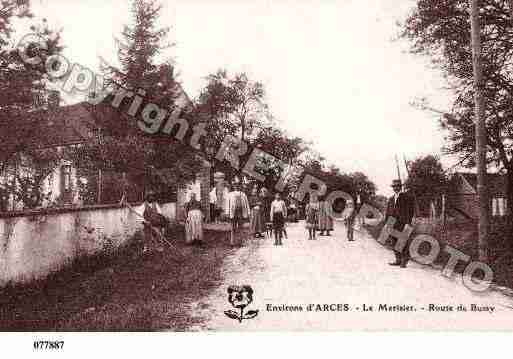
499, 207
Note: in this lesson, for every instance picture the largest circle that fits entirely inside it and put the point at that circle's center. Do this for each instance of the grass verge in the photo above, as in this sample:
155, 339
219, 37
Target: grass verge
128, 291
463, 236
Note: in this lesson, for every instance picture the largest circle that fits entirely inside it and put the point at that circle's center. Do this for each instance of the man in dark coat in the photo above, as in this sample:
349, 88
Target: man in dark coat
400, 206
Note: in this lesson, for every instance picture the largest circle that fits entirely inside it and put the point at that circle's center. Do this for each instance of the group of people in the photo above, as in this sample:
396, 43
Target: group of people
231, 205
155, 222
266, 215
318, 218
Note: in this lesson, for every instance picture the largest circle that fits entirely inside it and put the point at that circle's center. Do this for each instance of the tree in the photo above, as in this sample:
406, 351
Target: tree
159, 161
480, 129
427, 181
24, 162
441, 30
33, 168
248, 107
18, 84
232, 106
284, 149
236, 102
362, 184
337, 180
214, 107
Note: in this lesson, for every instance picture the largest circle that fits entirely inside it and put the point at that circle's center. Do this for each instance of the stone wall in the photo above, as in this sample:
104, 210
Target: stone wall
35, 243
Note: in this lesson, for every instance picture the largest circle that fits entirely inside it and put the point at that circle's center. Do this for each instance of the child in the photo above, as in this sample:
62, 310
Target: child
312, 216
278, 215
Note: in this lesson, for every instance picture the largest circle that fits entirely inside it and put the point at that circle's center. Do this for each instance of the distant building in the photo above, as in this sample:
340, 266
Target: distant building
462, 199
65, 126
58, 128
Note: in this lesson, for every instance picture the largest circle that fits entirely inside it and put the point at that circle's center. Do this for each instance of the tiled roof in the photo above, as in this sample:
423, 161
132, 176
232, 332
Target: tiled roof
50, 128
62, 126
496, 183
67, 125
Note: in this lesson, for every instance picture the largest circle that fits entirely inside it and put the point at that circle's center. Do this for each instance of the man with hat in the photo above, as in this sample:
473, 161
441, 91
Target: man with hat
401, 207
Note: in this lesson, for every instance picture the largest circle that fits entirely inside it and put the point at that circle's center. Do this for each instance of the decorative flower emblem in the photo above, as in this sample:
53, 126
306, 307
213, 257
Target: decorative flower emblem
240, 296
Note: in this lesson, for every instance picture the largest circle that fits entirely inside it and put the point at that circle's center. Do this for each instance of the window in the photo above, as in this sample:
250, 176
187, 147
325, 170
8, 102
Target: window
499, 207
66, 178
503, 206
50, 181
66, 184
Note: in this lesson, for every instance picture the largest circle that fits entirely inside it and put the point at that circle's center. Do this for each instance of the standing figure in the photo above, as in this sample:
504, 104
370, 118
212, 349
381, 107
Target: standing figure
213, 208
293, 211
312, 216
401, 207
219, 198
154, 220
359, 221
238, 211
325, 219
277, 216
265, 199
350, 220
194, 222
256, 223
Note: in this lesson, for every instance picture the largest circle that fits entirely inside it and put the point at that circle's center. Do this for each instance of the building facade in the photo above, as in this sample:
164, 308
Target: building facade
462, 197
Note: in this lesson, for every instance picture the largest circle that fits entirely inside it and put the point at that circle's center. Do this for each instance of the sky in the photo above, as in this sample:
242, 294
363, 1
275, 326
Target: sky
331, 68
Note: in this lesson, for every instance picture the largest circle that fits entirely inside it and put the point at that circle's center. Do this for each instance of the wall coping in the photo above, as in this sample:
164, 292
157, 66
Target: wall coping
66, 209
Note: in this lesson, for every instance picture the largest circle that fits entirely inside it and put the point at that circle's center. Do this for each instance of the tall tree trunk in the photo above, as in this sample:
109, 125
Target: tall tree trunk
243, 130
509, 209
480, 132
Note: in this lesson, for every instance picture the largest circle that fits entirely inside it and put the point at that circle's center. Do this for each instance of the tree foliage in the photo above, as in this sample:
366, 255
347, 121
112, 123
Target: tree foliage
158, 162
283, 150
235, 105
232, 106
427, 180
24, 162
441, 30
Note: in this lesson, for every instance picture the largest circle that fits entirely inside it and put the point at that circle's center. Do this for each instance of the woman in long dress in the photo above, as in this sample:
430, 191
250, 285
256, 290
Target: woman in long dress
194, 222
325, 220
312, 216
255, 204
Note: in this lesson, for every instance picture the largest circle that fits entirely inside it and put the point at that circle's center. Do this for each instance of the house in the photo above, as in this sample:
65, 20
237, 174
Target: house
55, 128
462, 199
61, 127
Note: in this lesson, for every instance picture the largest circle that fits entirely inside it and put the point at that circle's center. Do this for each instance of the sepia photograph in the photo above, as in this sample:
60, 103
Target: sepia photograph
214, 166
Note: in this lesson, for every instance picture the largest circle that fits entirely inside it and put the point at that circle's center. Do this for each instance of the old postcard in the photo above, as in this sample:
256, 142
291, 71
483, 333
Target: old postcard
174, 165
